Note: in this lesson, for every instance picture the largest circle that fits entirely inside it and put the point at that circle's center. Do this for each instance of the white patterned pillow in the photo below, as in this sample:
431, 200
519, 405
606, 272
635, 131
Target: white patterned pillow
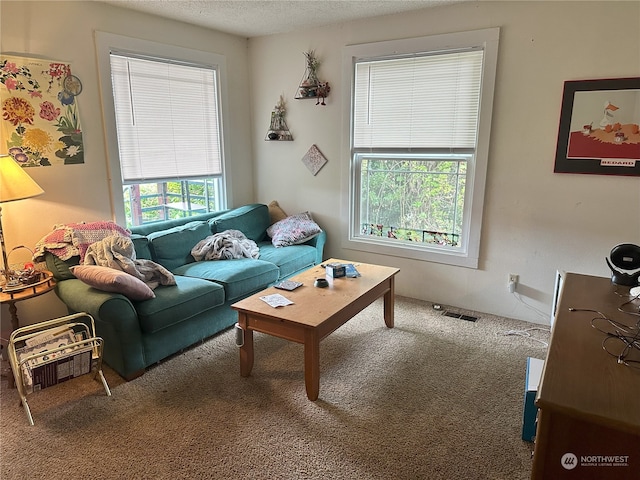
293, 230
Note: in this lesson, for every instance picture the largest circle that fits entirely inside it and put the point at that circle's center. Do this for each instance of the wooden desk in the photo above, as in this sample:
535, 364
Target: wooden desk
589, 403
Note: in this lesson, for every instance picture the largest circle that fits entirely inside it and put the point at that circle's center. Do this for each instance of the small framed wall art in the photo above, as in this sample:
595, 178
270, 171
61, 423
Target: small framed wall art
599, 130
314, 160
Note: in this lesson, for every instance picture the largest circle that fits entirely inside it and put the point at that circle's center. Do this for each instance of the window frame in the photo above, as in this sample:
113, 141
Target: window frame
106, 43
468, 254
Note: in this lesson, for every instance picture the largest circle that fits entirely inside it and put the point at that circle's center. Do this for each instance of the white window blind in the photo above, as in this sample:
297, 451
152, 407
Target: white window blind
167, 118
422, 101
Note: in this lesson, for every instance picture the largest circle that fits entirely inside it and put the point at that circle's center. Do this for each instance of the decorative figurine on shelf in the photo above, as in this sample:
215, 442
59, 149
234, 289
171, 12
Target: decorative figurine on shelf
313, 64
279, 112
322, 91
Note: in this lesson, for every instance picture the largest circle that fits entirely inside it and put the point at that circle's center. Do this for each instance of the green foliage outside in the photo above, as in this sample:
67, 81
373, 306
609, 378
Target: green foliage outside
154, 196
411, 200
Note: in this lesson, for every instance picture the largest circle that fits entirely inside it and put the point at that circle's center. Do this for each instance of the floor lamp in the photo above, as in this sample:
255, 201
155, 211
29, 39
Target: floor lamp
15, 184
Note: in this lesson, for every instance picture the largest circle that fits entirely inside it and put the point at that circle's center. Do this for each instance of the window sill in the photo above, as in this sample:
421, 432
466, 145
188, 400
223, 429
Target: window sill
426, 254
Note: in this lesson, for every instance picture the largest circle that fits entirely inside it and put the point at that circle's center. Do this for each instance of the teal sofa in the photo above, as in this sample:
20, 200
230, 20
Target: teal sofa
139, 334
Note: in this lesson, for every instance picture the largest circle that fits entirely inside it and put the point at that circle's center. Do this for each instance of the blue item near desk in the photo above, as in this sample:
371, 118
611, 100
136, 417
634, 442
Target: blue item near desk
534, 373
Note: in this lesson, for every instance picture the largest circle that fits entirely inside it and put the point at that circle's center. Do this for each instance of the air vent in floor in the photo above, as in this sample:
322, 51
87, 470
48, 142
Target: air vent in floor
461, 316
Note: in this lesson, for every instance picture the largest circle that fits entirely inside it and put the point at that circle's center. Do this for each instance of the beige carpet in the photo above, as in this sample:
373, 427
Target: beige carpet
433, 398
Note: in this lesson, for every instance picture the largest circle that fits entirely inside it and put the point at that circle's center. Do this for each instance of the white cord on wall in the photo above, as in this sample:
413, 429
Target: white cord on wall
531, 307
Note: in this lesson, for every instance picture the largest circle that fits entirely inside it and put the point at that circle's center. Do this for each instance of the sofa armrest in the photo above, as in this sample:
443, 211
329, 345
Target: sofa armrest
116, 322
318, 242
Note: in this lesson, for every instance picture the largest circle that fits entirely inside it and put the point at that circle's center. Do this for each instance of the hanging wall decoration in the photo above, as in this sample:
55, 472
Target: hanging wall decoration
311, 86
599, 129
314, 159
40, 122
278, 129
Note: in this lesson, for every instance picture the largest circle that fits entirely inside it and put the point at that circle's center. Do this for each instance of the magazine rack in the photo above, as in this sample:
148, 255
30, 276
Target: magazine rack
51, 352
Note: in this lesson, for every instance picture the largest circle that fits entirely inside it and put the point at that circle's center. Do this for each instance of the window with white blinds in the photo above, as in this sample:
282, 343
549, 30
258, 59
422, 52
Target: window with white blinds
421, 101
167, 117
418, 137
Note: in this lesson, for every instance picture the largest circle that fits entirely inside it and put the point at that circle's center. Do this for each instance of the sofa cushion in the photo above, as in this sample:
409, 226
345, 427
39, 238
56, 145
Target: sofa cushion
112, 280
142, 246
293, 230
148, 228
176, 303
252, 220
239, 276
290, 259
59, 267
172, 247
276, 213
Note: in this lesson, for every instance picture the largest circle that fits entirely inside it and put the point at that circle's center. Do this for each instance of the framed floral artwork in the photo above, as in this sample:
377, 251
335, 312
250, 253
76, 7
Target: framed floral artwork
599, 130
40, 122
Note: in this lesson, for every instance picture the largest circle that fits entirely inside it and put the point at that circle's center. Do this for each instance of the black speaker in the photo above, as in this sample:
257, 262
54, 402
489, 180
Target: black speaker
625, 256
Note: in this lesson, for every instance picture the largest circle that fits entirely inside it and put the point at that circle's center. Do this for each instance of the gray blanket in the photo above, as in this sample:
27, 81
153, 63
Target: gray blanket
224, 246
118, 252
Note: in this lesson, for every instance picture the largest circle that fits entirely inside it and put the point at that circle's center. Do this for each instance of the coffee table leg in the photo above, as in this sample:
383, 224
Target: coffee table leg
312, 364
389, 303
246, 350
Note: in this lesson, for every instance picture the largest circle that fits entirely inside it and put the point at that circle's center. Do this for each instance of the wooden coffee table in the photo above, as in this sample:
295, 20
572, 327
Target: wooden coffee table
316, 313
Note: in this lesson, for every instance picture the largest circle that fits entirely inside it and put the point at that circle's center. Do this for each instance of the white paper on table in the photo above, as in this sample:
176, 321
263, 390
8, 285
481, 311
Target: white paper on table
276, 300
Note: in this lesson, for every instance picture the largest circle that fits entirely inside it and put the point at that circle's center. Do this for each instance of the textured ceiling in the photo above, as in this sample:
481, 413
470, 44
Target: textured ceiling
252, 18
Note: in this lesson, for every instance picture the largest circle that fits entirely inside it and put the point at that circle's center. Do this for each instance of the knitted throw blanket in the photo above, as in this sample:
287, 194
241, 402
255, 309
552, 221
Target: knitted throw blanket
118, 252
73, 239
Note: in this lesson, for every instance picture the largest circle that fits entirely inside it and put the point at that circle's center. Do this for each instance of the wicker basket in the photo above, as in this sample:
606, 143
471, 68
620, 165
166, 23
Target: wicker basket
23, 274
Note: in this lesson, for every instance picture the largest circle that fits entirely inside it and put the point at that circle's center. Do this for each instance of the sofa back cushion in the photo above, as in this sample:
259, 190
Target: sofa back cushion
60, 268
148, 228
252, 220
172, 247
142, 246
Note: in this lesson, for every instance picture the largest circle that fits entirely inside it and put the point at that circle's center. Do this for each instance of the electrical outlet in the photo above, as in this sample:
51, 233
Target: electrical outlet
512, 282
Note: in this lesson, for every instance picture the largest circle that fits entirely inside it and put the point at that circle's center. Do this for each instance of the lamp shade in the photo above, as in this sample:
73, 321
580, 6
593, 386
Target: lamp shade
15, 183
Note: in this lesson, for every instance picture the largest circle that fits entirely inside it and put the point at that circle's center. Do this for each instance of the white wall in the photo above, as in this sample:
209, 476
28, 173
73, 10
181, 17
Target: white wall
535, 221
74, 193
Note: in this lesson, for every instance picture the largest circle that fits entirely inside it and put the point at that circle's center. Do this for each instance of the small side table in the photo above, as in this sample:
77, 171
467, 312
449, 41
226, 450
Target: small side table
11, 298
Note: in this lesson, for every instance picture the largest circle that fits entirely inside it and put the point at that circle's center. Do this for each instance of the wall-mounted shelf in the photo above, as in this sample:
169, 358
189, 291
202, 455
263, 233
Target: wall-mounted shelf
310, 85
278, 129
279, 136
